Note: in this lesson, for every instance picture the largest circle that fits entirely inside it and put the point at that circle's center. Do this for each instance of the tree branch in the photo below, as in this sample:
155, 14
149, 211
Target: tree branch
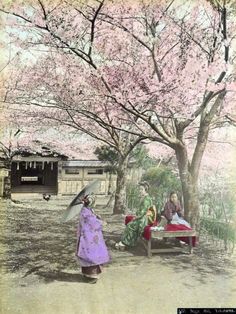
43, 9
93, 27
23, 18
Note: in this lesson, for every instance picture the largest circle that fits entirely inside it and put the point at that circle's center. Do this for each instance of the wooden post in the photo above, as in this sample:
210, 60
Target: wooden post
59, 178
190, 245
149, 247
83, 170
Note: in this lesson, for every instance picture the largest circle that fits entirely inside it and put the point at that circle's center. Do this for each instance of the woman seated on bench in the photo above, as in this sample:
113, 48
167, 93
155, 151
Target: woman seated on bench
135, 228
175, 219
173, 212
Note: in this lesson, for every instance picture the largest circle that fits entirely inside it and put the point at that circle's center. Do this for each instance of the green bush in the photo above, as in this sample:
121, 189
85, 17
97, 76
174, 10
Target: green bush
132, 196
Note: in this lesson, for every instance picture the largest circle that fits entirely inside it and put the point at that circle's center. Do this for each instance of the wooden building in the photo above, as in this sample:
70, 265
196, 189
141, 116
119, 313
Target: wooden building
56, 176
36, 173
75, 174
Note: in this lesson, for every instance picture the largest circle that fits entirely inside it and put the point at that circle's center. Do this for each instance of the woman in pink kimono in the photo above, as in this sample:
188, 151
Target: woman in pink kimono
91, 249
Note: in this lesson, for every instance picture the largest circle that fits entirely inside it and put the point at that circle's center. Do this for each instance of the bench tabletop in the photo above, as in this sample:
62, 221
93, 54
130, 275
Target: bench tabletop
173, 234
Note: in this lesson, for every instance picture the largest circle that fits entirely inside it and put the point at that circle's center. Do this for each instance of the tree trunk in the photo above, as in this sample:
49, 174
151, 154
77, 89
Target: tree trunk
7, 183
7, 187
120, 194
109, 183
189, 187
191, 202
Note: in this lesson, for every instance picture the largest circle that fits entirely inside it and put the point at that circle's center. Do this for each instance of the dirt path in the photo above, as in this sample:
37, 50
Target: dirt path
41, 276
132, 289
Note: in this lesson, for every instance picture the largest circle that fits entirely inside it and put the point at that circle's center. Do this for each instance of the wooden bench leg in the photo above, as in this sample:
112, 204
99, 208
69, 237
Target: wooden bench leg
149, 248
190, 245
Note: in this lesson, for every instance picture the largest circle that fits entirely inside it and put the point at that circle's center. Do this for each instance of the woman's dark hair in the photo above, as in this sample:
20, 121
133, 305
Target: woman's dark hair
88, 200
145, 184
173, 192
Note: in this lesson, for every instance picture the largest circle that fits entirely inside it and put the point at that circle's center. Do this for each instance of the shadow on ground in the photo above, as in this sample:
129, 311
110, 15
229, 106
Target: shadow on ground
36, 243
49, 277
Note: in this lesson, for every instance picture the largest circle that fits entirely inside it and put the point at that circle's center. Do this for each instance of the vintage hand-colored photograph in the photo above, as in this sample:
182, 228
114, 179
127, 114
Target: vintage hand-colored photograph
117, 156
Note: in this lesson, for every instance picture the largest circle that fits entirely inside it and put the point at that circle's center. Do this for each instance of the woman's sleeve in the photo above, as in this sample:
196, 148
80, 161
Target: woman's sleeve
144, 207
167, 212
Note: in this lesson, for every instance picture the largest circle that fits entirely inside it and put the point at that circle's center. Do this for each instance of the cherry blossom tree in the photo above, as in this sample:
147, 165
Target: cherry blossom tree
124, 72
54, 98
